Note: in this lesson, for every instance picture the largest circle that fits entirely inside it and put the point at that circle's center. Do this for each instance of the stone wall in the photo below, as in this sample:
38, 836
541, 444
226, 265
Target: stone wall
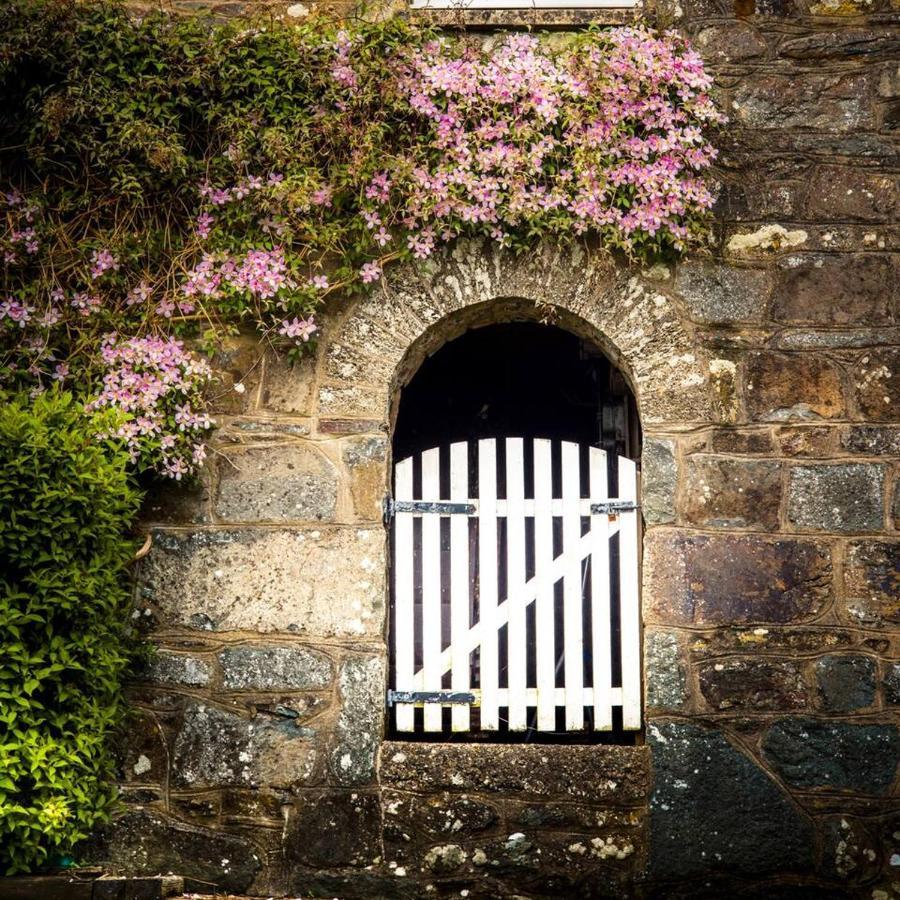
767, 380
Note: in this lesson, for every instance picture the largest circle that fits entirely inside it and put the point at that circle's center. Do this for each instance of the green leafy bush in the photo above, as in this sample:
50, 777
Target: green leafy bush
65, 503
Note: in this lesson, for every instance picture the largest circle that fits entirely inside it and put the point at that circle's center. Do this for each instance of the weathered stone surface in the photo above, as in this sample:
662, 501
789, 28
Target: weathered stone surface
322, 582
598, 774
844, 42
444, 816
891, 683
214, 748
276, 483
845, 683
366, 460
780, 387
872, 582
289, 387
822, 102
810, 753
273, 667
658, 480
719, 294
331, 829
359, 726
872, 440
723, 492
236, 365
749, 684
877, 383
664, 670
713, 809
142, 842
730, 42
142, 754
844, 497
849, 852
806, 440
728, 440
178, 503
842, 194
692, 579
781, 640
178, 669
836, 289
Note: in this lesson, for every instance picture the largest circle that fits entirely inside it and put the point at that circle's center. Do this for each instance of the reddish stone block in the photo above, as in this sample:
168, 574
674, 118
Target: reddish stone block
696, 579
750, 685
782, 386
845, 194
876, 379
723, 492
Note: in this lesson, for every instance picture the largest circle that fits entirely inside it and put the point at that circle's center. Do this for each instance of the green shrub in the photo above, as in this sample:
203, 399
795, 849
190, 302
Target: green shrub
66, 503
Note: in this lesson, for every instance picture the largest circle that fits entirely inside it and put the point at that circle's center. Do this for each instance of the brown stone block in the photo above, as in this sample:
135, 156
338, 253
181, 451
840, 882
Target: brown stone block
715, 293
275, 483
237, 367
445, 816
876, 378
694, 579
836, 289
723, 492
838, 194
753, 685
804, 100
872, 440
868, 43
730, 42
333, 829
350, 426
807, 440
872, 583
782, 386
729, 440
598, 774
289, 387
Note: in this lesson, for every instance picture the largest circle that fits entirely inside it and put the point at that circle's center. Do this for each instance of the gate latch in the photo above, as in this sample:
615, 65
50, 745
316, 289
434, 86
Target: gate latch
425, 507
611, 507
441, 697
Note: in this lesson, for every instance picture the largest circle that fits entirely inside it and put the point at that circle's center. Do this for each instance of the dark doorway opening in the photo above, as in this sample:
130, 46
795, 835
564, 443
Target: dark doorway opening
523, 380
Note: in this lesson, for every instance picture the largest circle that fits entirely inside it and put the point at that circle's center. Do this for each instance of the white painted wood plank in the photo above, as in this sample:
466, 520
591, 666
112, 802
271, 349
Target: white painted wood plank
431, 588
487, 566
601, 635
404, 638
517, 650
459, 583
545, 651
572, 595
628, 592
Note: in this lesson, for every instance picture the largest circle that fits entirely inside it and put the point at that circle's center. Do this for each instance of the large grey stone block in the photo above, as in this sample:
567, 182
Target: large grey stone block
842, 497
265, 667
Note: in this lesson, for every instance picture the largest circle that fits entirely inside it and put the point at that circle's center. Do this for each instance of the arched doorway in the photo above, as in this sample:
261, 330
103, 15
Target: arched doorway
500, 418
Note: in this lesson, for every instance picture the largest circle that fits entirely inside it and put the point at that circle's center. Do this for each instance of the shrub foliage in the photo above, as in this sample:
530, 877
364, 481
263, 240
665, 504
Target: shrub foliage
64, 601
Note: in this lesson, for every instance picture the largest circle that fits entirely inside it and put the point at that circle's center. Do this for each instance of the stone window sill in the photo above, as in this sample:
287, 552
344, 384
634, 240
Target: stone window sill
525, 18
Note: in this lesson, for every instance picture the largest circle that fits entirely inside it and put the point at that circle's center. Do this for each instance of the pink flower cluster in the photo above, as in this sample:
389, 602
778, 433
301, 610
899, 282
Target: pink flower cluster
605, 137
158, 385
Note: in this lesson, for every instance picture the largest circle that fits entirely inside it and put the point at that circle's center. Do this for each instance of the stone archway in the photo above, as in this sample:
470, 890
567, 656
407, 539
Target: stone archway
373, 350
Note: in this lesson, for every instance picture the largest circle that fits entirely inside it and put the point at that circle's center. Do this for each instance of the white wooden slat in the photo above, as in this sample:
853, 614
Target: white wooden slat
404, 638
528, 507
572, 621
545, 649
459, 583
601, 636
628, 593
487, 567
431, 587
517, 647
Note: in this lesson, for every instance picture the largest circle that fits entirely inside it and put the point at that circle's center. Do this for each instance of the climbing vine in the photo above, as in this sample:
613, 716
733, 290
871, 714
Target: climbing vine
172, 180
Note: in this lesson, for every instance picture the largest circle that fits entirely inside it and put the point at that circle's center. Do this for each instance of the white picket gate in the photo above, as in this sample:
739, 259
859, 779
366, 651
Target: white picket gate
511, 604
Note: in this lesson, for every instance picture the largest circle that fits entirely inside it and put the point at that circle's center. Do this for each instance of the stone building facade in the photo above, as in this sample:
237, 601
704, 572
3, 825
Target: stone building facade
767, 380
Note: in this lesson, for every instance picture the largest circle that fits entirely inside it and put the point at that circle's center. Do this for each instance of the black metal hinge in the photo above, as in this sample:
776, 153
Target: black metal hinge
426, 507
441, 697
611, 507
